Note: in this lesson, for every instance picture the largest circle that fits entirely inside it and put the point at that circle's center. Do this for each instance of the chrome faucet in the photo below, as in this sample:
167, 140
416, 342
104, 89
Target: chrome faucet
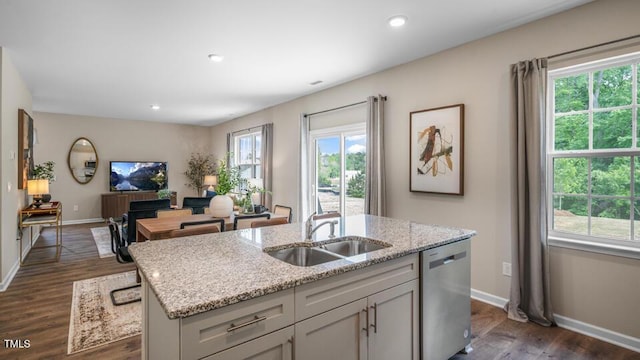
309, 229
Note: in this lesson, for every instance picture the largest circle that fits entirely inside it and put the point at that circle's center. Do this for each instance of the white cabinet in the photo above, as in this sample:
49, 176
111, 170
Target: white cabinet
382, 326
336, 334
394, 323
369, 313
275, 346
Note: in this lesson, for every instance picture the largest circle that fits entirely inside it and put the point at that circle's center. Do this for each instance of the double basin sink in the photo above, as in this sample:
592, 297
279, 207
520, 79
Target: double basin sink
305, 255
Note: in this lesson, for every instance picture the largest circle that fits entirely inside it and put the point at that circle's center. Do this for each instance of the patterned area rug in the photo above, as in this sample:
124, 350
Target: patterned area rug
95, 320
102, 237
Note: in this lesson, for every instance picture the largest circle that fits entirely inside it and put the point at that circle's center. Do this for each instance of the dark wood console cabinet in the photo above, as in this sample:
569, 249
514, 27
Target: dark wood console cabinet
117, 203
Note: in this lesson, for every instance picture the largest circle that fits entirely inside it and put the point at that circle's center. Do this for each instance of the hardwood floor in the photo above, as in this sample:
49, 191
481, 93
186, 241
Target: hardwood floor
36, 307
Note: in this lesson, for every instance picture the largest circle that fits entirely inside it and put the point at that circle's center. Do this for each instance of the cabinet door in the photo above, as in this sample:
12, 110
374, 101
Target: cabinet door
393, 323
336, 334
275, 346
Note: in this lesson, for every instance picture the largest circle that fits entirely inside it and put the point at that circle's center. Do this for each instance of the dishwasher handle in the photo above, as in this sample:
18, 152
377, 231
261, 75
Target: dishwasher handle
447, 260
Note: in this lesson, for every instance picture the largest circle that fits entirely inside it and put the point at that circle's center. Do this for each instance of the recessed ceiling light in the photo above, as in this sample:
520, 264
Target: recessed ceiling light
397, 20
155, 107
216, 57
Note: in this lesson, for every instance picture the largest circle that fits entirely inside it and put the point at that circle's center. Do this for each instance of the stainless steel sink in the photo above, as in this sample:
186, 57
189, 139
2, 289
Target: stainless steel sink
303, 256
353, 246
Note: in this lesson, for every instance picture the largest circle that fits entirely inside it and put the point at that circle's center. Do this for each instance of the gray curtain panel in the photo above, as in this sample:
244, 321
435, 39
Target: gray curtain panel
267, 163
303, 206
375, 200
529, 296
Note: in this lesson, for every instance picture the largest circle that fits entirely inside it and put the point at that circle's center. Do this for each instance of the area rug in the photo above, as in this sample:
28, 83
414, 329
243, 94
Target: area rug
102, 237
95, 321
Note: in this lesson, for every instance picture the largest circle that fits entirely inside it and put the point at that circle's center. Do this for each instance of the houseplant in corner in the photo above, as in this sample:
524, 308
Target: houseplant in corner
221, 205
199, 165
44, 171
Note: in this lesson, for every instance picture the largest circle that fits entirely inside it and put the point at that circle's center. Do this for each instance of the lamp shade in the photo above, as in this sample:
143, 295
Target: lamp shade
37, 187
210, 180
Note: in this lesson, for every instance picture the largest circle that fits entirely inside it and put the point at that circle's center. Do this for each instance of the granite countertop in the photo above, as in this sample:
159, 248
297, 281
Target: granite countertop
195, 274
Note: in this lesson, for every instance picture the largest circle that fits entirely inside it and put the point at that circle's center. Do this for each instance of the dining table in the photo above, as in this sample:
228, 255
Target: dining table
160, 228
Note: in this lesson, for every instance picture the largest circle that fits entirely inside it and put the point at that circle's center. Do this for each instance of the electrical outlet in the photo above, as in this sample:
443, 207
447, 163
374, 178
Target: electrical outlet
75, 207
506, 269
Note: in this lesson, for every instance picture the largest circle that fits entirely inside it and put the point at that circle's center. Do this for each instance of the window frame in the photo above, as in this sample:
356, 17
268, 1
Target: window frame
252, 134
627, 248
341, 131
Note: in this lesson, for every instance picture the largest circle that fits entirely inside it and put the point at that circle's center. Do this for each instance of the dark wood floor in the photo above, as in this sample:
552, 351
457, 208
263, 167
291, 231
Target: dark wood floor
36, 307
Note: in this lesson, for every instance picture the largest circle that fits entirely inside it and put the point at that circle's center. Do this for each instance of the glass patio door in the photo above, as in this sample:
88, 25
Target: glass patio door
338, 170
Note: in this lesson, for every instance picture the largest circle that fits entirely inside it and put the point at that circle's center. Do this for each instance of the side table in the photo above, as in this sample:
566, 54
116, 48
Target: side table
46, 214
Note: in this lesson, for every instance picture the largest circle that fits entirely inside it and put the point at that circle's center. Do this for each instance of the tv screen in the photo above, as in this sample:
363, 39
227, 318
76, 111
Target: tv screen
138, 176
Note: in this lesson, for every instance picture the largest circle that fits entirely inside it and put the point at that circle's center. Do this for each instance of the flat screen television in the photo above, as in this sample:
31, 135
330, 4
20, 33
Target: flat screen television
137, 176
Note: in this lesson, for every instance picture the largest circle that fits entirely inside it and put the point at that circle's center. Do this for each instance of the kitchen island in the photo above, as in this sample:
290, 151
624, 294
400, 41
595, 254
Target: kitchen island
223, 295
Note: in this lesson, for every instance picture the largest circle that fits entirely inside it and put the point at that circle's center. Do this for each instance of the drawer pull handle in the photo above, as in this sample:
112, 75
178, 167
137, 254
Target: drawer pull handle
256, 319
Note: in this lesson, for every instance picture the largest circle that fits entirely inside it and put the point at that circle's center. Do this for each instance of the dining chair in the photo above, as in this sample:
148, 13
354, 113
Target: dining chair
283, 210
327, 215
123, 257
189, 228
174, 212
244, 221
270, 222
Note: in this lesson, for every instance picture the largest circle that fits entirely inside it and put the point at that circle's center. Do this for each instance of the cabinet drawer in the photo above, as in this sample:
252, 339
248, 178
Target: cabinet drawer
326, 294
277, 345
208, 333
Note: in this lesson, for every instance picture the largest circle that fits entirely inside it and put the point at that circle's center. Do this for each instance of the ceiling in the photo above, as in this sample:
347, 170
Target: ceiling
115, 58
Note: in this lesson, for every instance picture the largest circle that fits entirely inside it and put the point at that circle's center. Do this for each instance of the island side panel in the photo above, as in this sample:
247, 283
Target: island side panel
160, 335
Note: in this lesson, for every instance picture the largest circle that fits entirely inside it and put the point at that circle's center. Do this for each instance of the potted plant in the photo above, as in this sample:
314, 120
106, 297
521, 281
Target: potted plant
44, 171
199, 165
221, 205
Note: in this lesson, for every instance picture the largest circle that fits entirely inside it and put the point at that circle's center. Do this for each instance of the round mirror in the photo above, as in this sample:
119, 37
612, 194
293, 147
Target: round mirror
82, 160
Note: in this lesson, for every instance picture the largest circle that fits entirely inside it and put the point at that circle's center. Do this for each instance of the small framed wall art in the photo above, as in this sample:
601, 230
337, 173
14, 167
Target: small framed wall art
437, 150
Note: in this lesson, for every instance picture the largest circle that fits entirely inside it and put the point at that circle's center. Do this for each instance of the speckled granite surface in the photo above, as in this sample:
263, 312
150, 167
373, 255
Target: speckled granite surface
194, 274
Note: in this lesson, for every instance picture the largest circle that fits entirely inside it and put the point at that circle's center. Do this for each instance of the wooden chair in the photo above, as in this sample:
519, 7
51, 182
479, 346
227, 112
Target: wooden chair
198, 228
123, 257
283, 210
172, 212
270, 222
244, 221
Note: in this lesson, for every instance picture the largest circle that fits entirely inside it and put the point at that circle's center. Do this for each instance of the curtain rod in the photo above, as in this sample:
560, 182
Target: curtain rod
384, 98
594, 46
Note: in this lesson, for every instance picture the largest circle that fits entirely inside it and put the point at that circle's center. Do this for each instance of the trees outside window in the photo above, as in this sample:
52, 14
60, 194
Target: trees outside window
593, 152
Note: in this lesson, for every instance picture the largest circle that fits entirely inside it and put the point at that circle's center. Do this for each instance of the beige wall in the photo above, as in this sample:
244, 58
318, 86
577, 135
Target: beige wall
14, 95
114, 140
476, 74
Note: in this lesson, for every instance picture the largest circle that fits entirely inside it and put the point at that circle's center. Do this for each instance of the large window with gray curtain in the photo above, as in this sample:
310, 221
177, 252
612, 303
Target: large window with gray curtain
342, 159
593, 156
251, 152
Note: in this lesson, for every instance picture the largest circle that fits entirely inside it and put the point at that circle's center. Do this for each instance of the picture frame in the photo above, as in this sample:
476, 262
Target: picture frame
436, 151
25, 148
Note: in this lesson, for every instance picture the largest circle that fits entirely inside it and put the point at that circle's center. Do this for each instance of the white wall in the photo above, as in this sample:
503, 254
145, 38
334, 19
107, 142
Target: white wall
478, 75
14, 95
114, 140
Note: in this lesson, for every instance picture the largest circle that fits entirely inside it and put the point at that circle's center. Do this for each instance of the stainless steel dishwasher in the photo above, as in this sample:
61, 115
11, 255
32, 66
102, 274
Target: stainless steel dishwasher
445, 297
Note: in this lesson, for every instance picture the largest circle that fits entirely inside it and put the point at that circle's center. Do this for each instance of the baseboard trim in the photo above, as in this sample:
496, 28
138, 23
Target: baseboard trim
82, 221
597, 332
622, 340
488, 298
4, 285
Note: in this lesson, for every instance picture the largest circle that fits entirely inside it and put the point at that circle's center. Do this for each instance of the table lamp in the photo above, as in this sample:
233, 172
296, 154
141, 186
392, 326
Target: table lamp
211, 181
37, 188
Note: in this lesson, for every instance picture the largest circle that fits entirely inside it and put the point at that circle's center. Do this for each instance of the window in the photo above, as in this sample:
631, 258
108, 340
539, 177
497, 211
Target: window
338, 162
246, 153
593, 153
